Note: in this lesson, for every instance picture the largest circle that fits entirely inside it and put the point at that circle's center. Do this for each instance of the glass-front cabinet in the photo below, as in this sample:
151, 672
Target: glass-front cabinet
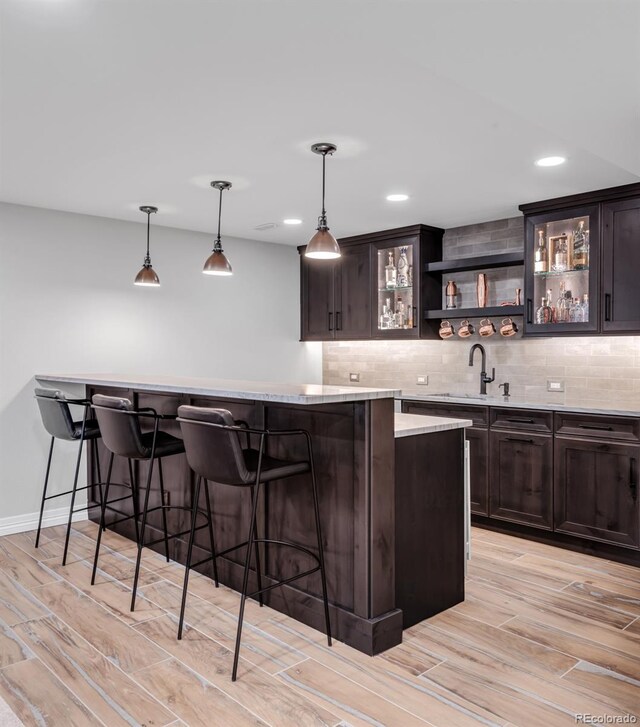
398, 277
562, 255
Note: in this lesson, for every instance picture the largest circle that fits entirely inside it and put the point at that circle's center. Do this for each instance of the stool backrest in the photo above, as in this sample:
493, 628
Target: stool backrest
213, 452
55, 413
119, 426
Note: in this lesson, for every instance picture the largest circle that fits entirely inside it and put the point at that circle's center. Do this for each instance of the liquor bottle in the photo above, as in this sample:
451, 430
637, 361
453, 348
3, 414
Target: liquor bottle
561, 255
562, 307
575, 312
402, 280
585, 308
541, 262
543, 313
401, 314
390, 272
553, 313
581, 247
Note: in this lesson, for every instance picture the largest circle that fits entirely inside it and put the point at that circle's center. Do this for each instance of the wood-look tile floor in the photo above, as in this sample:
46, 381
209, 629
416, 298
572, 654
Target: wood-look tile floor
543, 636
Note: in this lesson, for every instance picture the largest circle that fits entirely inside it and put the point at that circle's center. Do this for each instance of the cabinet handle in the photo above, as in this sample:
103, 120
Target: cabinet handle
518, 439
415, 316
598, 427
607, 306
338, 320
633, 484
330, 320
520, 420
529, 310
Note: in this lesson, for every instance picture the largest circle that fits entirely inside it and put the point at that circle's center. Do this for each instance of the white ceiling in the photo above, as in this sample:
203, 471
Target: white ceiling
109, 104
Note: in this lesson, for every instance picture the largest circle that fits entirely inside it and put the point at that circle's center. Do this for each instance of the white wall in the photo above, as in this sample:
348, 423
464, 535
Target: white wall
68, 304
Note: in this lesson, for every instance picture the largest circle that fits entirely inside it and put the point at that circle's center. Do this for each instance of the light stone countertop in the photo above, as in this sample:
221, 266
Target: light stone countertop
408, 425
517, 403
226, 388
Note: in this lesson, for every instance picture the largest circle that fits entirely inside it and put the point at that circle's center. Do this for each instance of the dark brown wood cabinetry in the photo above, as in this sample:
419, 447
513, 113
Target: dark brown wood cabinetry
568, 478
621, 266
596, 490
521, 478
339, 299
613, 217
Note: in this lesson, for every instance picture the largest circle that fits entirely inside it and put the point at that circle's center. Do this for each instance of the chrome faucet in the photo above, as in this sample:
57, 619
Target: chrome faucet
484, 379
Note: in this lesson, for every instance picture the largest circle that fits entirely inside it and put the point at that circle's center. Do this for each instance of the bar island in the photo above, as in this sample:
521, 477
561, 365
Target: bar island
391, 490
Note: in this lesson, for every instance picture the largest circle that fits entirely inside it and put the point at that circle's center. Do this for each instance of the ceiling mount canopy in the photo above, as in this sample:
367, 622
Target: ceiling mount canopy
217, 263
323, 245
147, 275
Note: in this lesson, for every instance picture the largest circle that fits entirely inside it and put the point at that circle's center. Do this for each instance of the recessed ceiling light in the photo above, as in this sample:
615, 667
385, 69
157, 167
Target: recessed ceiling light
550, 161
292, 221
397, 197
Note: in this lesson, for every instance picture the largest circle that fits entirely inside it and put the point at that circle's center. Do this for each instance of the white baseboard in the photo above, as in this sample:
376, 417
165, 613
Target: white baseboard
29, 521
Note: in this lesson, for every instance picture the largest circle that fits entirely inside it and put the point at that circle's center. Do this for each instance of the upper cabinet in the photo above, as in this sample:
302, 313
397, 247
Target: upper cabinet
582, 263
376, 290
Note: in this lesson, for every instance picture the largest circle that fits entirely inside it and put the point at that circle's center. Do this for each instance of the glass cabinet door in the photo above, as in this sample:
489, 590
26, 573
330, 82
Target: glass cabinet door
563, 253
397, 293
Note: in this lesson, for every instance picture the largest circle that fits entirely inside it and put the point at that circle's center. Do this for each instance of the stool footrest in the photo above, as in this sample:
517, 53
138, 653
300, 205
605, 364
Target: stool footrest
84, 487
284, 582
174, 535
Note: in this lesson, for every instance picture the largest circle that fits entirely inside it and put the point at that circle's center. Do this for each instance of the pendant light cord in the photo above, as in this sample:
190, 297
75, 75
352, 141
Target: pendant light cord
218, 244
324, 212
148, 228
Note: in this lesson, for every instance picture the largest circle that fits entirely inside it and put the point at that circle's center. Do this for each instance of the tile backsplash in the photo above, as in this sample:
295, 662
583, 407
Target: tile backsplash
602, 372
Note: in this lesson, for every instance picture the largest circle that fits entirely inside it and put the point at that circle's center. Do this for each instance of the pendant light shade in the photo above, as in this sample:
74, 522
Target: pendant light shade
323, 245
147, 275
217, 263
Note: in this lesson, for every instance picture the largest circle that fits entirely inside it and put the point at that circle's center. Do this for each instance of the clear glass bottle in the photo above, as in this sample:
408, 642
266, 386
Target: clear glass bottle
562, 309
541, 260
580, 247
402, 277
543, 313
390, 272
575, 312
585, 308
552, 308
401, 314
561, 255
388, 315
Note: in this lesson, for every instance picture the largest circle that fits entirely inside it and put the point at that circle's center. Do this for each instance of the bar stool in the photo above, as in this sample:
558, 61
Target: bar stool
214, 451
57, 420
121, 434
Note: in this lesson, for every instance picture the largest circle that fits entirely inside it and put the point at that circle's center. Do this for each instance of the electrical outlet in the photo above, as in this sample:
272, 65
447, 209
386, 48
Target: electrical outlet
422, 380
556, 386
354, 377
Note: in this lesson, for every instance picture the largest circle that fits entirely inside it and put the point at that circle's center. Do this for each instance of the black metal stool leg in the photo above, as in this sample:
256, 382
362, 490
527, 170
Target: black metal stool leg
164, 512
44, 491
187, 567
75, 487
102, 525
212, 541
145, 508
96, 481
316, 509
134, 498
245, 580
258, 568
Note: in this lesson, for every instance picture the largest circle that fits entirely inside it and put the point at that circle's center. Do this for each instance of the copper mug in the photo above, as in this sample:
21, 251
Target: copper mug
465, 330
508, 327
446, 329
486, 328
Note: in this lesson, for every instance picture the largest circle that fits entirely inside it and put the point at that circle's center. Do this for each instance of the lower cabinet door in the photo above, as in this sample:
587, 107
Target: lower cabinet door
521, 478
596, 490
478, 470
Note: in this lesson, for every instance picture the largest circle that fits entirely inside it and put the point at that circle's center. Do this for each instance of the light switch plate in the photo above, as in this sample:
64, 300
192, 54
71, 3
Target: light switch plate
555, 385
422, 380
354, 377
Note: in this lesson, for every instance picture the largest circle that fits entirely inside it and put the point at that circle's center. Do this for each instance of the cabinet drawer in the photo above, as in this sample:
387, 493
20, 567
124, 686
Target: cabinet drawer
479, 415
602, 427
529, 419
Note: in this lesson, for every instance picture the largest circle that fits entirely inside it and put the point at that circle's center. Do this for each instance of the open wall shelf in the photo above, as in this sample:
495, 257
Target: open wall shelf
489, 312
482, 262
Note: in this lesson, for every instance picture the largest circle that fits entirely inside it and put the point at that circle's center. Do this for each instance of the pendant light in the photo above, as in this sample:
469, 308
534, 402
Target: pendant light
323, 245
217, 263
147, 276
